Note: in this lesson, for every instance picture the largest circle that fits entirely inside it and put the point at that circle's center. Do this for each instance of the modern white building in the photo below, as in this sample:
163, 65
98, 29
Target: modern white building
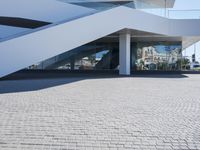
92, 35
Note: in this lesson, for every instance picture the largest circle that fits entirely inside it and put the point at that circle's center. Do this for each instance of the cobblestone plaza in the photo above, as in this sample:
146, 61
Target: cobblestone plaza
101, 113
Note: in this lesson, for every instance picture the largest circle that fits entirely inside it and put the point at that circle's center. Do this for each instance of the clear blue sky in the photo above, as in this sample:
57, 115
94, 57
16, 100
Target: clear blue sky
189, 4
192, 5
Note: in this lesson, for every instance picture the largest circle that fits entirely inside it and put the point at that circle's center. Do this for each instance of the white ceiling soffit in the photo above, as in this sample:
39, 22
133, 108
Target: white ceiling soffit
189, 41
42, 10
151, 3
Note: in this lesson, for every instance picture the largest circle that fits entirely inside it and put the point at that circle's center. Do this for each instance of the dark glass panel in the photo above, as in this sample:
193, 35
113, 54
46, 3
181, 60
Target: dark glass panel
92, 56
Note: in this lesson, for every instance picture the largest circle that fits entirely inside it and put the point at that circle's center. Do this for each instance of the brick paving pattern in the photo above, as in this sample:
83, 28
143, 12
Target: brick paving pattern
105, 113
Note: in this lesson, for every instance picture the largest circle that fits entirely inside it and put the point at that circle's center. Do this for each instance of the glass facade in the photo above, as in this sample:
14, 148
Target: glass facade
92, 56
161, 56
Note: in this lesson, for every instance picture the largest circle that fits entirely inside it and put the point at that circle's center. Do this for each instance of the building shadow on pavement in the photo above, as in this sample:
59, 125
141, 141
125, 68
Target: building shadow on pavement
15, 86
34, 84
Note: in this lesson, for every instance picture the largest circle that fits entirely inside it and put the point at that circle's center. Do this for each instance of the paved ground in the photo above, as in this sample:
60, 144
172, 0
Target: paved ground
107, 113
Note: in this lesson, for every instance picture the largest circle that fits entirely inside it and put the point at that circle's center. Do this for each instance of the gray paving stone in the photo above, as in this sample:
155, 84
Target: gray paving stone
105, 113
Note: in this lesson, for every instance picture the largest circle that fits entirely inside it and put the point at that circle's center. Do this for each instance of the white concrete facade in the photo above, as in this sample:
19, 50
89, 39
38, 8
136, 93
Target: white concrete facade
124, 53
21, 51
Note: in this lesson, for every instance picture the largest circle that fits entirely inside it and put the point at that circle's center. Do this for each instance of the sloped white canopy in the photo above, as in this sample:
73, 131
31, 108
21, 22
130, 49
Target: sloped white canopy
41, 10
6, 31
151, 3
43, 44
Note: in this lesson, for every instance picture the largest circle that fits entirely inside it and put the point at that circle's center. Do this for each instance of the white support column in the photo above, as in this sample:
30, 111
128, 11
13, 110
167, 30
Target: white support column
124, 53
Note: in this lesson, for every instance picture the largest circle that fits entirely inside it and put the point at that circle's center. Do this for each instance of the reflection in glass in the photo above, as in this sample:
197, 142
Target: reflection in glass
164, 56
92, 56
157, 56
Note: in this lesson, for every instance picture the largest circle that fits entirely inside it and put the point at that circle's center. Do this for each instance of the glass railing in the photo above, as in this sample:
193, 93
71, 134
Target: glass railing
174, 14
159, 8
165, 9
184, 14
159, 12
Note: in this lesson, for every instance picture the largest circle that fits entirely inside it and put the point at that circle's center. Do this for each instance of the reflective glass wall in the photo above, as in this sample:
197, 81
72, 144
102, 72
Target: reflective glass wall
162, 56
92, 56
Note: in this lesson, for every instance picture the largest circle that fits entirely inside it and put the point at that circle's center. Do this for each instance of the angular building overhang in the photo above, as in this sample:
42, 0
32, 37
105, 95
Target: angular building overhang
41, 44
140, 3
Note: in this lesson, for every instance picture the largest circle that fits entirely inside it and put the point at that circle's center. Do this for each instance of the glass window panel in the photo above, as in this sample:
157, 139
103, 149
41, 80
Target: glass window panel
163, 56
92, 56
